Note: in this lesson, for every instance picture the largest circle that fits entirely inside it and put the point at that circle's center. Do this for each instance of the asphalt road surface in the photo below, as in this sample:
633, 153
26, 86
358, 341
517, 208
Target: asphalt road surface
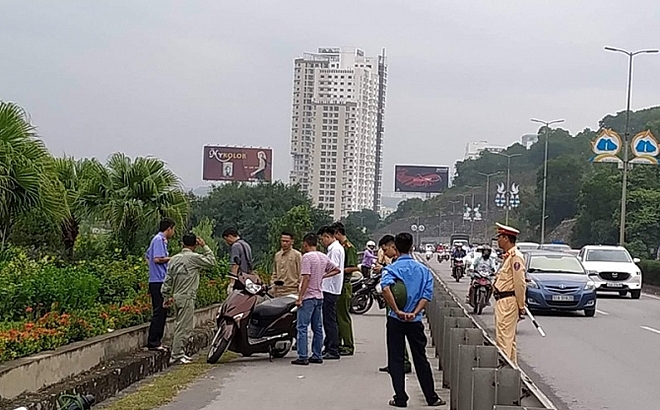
610, 361
350, 383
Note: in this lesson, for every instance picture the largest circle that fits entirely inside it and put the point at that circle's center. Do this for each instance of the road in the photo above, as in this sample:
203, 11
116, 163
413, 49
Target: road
610, 361
351, 383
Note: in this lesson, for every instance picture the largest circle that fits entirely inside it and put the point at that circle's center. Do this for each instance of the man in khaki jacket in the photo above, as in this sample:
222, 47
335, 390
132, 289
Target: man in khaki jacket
180, 290
509, 291
286, 267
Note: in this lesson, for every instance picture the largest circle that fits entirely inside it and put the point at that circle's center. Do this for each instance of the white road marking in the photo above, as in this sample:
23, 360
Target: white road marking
650, 329
600, 312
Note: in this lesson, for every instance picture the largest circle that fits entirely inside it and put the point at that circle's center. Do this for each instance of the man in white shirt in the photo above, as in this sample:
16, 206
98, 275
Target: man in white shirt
331, 290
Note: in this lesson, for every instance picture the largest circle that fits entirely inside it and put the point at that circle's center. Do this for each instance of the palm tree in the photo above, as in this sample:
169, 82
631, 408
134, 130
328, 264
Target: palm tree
133, 195
26, 170
74, 177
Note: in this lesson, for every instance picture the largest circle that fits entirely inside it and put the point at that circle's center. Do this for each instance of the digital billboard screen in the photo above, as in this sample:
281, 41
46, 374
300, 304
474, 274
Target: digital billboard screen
237, 164
420, 178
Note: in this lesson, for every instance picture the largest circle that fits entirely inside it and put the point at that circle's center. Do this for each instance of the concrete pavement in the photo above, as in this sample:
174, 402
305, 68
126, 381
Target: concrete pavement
350, 383
606, 362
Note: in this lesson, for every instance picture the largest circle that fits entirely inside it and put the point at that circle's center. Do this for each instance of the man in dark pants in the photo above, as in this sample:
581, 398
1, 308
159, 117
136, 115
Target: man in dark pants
332, 287
405, 322
157, 258
344, 321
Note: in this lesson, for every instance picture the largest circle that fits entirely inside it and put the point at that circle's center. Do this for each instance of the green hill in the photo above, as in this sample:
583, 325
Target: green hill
570, 187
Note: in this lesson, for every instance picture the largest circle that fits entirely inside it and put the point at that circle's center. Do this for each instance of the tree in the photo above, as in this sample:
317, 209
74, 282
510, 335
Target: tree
133, 195
256, 209
599, 199
74, 176
26, 172
643, 219
366, 218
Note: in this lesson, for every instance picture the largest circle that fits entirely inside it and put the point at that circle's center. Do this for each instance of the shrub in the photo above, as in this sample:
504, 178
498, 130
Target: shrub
650, 272
45, 305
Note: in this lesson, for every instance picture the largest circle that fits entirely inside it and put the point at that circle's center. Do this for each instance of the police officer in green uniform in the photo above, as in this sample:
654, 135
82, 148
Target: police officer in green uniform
180, 290
344, 321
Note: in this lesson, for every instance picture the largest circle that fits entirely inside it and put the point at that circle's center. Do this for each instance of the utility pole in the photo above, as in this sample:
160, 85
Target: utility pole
545, 171
626, 138
508, 183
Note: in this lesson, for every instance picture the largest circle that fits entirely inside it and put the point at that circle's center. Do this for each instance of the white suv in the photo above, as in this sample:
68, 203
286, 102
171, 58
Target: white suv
613, 269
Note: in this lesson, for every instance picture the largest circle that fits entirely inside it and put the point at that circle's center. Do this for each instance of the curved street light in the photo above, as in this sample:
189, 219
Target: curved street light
624, 182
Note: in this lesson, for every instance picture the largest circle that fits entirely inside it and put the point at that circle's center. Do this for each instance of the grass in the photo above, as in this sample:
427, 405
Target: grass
164, 388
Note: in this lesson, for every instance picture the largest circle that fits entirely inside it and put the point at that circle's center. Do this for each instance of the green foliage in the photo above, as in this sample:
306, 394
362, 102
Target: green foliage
132, 196
650, 272
26, 171
256, 211
45, 304
297, 220
366, 218
204, 230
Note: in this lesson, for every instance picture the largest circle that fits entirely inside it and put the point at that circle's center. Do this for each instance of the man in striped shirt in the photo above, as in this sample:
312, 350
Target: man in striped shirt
315, 266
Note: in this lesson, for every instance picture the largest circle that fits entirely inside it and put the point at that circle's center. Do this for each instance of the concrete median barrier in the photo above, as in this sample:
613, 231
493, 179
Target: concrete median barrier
459, 338
476, 371
471, 357
451, 323
495, 387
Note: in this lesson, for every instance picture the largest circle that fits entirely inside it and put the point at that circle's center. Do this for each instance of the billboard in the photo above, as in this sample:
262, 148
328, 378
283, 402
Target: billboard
237, 164
420, 178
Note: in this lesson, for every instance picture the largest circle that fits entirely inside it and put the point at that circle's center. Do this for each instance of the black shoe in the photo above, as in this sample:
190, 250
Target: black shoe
300, 362
384, 369
407, 369
316, 361
329, 356
345, 353
438, 403
395, 403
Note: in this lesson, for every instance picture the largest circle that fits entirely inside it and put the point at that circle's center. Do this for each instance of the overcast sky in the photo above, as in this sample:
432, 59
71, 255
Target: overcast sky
163, 78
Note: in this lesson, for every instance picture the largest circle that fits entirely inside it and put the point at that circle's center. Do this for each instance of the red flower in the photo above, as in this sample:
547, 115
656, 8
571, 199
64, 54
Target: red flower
28, 309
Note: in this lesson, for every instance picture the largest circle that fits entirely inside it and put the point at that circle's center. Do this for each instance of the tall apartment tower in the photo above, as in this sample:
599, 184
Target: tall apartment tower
337, 128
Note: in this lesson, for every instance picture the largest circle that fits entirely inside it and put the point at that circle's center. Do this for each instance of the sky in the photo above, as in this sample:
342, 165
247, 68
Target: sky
164, 78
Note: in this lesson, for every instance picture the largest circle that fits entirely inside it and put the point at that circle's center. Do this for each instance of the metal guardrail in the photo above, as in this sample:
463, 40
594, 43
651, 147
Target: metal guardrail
478, 374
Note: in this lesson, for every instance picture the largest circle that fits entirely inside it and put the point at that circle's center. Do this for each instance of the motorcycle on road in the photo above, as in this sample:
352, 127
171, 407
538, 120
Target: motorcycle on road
365, 291
247, 328
458, 269
480, 294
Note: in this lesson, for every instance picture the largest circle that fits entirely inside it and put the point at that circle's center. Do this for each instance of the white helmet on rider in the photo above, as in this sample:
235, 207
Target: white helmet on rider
371, 244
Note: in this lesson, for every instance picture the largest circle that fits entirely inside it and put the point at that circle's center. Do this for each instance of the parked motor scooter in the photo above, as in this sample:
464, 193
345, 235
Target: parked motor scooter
247, 328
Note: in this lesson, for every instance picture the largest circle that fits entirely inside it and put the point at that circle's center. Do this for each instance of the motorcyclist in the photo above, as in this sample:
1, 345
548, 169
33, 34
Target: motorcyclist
457, 253
482, 267
368, 259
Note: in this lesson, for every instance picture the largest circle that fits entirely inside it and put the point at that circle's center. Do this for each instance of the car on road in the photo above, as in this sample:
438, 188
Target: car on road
556, 247
558, 281
527, 246
612, 269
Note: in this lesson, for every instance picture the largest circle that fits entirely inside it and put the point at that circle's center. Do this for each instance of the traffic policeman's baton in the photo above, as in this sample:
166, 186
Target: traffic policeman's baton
536, 324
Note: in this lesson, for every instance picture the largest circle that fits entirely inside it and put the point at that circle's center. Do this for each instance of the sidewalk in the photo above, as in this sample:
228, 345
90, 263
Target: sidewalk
351, 383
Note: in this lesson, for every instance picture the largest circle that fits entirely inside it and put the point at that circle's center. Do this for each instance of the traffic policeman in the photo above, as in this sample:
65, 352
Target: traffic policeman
509, 291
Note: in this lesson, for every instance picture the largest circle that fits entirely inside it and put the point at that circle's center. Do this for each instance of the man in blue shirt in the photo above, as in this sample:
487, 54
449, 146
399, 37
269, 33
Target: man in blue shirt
157, 258
405, 322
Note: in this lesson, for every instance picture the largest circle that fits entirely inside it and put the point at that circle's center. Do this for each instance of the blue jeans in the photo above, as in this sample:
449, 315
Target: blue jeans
310, 313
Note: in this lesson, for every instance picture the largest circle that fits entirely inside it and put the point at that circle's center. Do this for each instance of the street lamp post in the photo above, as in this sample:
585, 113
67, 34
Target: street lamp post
453, 215
626, 137
545, 171
463, 209
488, 194
508, 183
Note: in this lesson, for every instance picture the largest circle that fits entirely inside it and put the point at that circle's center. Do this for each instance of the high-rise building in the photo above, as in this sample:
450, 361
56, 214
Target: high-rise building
337, 128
